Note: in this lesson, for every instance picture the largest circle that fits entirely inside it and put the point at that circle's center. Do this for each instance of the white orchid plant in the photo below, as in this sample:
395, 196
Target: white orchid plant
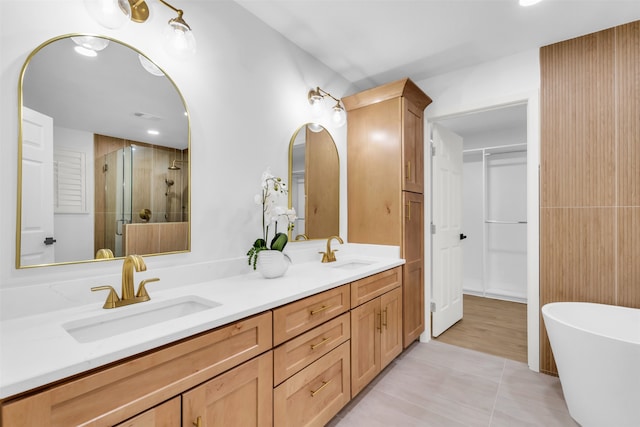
269, 198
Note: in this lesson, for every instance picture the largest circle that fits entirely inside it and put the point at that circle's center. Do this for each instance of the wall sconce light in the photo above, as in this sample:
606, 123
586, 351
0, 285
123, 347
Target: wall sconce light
179, 39
316, 96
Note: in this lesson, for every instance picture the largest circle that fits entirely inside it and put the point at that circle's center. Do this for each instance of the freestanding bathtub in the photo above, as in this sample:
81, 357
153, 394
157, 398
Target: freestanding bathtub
597, 350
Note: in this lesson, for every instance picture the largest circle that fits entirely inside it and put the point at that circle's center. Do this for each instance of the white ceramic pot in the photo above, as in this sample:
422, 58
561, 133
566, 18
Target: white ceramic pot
272, 263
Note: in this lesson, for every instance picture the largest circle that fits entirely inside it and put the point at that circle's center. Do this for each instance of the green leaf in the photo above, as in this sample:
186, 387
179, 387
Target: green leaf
279, 242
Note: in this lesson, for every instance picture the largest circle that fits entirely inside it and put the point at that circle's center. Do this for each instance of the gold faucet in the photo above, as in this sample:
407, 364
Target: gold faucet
128, 297
302, 237
104, 254
329, 255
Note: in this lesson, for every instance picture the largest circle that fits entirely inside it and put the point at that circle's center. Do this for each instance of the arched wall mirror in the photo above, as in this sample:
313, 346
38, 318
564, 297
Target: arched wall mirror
314, 183
103, 155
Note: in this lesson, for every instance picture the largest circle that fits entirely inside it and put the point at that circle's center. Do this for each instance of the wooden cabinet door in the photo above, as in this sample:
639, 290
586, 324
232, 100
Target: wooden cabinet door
413, 271
374, 173
365, 344
412, 147
391, 326
242, 396
164, 415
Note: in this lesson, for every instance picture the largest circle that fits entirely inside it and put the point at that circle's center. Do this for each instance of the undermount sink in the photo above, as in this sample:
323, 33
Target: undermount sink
135, 317
351, 264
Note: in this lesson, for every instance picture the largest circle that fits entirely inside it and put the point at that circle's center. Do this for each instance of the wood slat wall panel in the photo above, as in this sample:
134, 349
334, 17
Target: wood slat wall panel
628, 257
577, 255
577, 262
628, 95
590, 184
577, 161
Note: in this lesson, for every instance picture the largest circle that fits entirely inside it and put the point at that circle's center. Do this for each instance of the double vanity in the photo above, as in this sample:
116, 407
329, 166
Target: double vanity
240, 350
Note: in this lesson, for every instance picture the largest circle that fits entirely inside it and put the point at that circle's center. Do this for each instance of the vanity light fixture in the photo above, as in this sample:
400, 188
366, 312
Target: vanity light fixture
316, 97
179, 39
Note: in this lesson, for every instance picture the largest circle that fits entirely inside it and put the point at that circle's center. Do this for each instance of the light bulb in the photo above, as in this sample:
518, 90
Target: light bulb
315, 100
316, 107
149, 66
339, 116
109, 13
315, 127
179, 39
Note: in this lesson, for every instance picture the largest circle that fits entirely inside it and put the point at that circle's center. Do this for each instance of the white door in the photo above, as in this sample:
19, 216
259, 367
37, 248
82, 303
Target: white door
446, 284
37, 189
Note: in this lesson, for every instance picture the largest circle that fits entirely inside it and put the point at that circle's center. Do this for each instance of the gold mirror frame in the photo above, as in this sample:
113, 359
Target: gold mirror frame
184, 162
321, 215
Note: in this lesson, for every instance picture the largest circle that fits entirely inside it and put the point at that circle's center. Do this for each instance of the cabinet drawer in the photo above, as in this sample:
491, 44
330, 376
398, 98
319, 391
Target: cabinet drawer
317, 393
299, 352
113, 394
366, 289
164, 415
300, 316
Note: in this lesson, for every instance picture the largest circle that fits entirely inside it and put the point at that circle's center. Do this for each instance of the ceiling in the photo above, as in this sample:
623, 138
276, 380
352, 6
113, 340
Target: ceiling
371, 42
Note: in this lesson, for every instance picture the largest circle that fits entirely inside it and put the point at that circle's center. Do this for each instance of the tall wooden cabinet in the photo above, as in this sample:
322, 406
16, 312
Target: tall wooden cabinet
385, 182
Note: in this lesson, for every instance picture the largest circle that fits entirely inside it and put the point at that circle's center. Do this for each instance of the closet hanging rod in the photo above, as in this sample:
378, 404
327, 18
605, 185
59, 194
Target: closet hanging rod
497, 147
493, 221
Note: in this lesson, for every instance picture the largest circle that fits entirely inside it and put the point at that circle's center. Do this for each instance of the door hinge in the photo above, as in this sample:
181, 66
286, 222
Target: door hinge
433, 229
433, 306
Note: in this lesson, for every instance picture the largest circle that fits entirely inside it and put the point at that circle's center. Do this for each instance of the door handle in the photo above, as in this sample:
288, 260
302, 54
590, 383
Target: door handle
49, 240
462, 236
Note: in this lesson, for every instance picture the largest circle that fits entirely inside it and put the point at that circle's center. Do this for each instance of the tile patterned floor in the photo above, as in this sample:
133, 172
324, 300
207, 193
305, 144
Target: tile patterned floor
437, 384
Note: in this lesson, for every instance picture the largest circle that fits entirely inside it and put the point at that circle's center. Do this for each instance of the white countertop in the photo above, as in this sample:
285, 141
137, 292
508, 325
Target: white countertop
37, 350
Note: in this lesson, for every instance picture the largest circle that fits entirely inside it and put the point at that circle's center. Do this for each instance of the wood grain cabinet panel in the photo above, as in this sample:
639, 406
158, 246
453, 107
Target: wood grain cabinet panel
299, 352
317, 393
167, 414
376, 337
303, 315
110, 395
413, 307
239, 397
366, 289
385, 182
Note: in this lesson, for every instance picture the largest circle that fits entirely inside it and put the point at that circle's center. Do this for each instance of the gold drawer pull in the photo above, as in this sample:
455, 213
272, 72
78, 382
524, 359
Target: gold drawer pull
324, 384
408, 176
324, 340
323, 308
379, 323
198, 422
384, 322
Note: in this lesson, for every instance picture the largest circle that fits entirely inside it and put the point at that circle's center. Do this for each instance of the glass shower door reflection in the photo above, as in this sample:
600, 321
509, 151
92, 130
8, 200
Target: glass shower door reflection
117, 197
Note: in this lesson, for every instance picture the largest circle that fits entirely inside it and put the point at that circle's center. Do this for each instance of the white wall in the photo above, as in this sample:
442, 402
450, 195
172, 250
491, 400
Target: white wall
509, 80
76, 227
246, 93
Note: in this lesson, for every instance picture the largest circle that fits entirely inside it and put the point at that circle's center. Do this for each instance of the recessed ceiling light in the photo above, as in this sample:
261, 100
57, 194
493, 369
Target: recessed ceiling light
529, 2
153, 132
85, 52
